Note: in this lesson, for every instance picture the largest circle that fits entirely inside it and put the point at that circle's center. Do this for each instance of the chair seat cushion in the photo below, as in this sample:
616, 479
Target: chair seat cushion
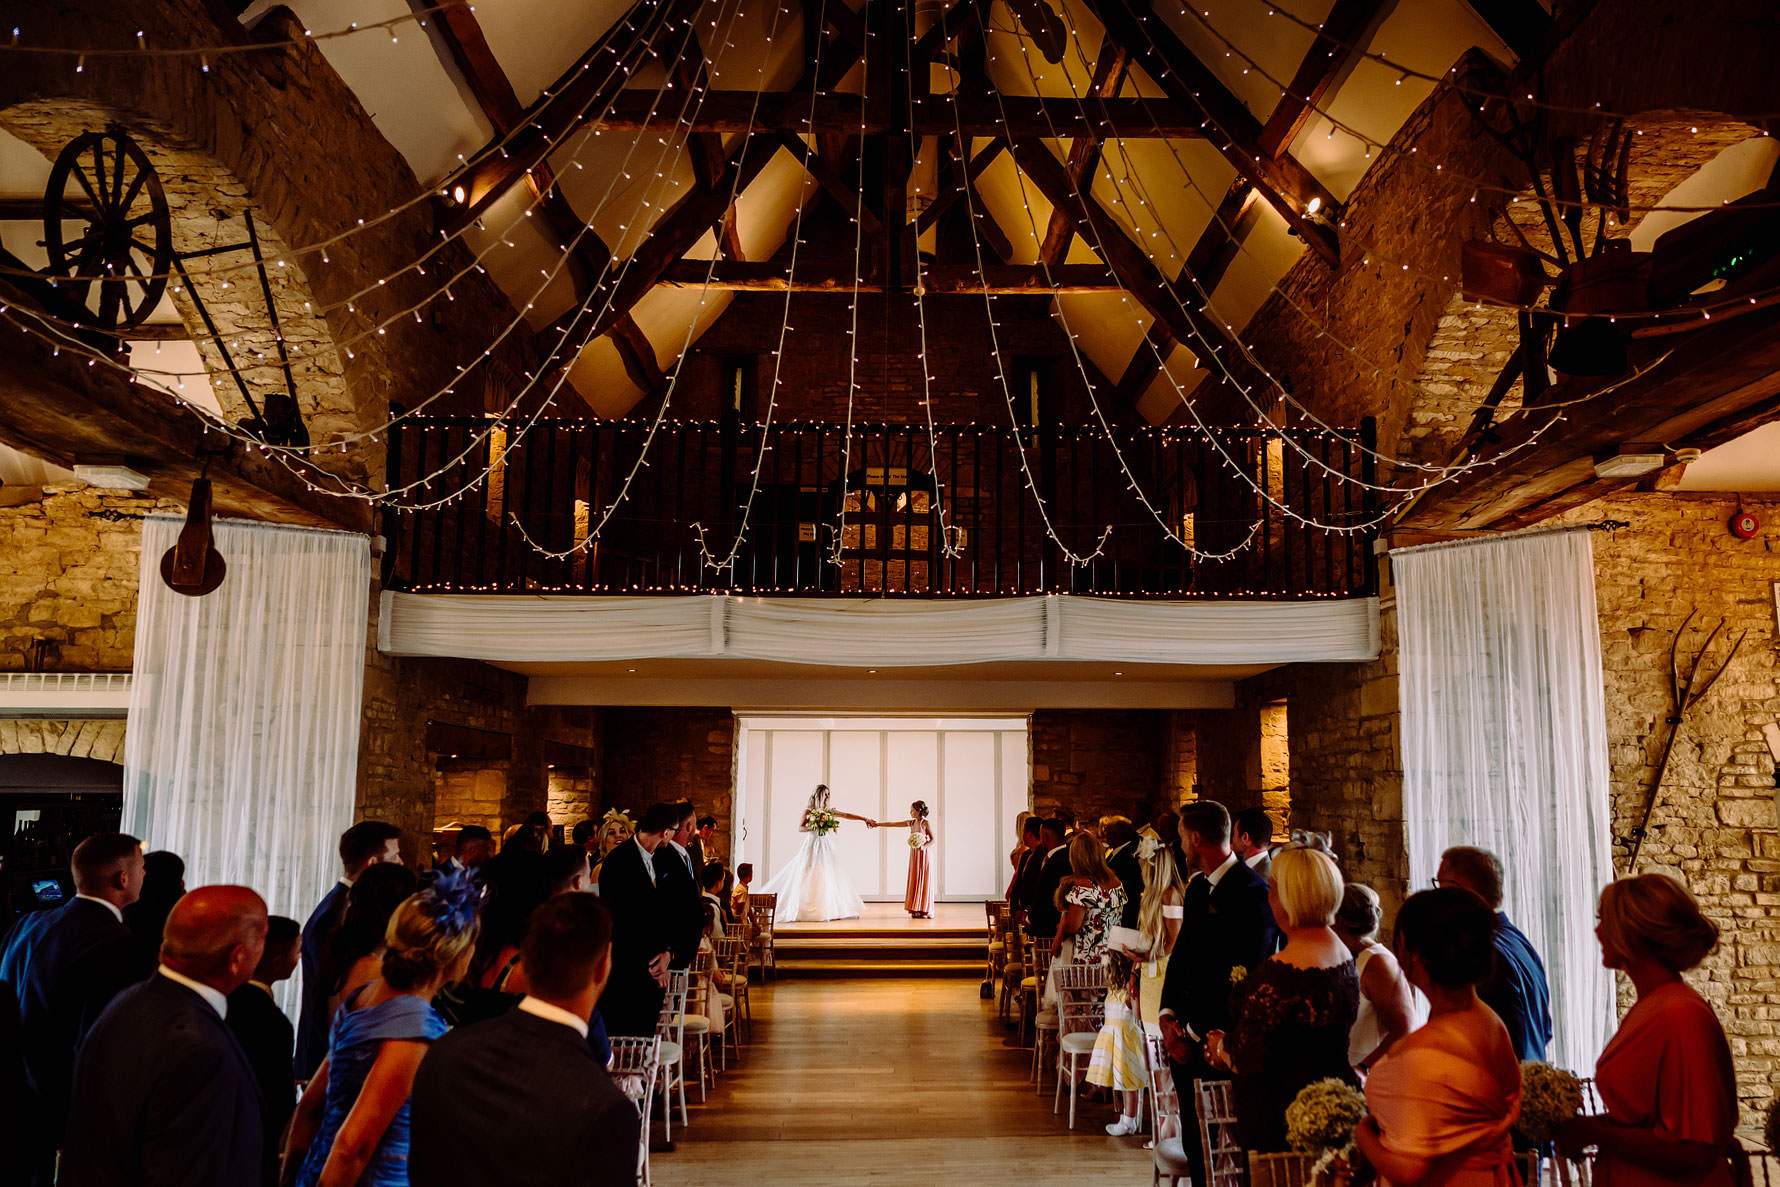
1028, 982
670, 1053
1079, 1043
1046, 1020
696, 1024
728, 1001
1171, 1155
1013, 971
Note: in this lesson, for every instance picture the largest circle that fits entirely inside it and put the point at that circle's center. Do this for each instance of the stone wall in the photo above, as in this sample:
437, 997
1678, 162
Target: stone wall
668, 754
1714, 823
87, 737
1096, 762
68, 575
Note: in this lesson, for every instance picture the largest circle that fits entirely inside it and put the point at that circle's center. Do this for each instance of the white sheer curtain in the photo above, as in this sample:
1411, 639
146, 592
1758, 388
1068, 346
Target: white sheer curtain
241, 751
1505, 746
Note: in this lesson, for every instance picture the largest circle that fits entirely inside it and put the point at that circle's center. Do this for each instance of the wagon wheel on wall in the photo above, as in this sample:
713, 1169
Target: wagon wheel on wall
125, 244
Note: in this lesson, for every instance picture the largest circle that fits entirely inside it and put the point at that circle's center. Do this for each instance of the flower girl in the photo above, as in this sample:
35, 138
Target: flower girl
1118, 1060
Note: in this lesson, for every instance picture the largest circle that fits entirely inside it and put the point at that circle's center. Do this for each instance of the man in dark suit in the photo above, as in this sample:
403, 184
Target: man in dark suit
1042, 915
266, 1036
1251, 839
1031, 857
520, 1099
1227, 924
59, 970
1120, 838
1516, 989
641, 945
361, 846
162, 1091
677, 873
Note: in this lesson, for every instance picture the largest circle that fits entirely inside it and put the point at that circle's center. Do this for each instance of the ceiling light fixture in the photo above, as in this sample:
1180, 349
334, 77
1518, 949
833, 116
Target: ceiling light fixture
1630, 462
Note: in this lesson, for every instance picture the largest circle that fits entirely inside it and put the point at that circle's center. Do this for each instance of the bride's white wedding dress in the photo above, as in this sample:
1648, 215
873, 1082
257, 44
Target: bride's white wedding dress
811, 886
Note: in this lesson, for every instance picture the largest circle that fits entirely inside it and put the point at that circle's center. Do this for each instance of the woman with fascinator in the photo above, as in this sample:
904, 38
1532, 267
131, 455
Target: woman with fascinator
351, 1127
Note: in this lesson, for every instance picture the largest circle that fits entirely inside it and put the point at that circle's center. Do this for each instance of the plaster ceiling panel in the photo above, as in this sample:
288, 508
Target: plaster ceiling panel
1267, 252
1167, 393
624, 182
415, 100
1108, 328
599, 376
1160, 189
766, 211
1242, 42
757, 46
524, 261
673, 318
1747, 463
1016, 206
24, 172
1738, 170
535, 43
177, 369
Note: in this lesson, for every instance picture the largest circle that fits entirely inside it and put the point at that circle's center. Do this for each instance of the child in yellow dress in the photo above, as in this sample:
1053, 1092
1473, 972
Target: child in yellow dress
1118, 1061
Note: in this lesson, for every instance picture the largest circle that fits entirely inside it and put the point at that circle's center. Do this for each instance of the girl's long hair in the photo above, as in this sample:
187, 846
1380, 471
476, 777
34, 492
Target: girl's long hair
1162, 876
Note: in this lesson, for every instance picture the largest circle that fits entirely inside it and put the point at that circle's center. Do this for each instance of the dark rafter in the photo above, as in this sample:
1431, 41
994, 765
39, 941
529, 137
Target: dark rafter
954, 187
589, 257
839, 188
1084, 152
1521, 24
1286, 185
1349, 24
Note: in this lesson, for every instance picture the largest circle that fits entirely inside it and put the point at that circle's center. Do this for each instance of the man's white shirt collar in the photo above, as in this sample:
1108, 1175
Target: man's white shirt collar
539, 1008
1056, 851
1255, 859
1217, 875
106, 903
648, 859
214, 998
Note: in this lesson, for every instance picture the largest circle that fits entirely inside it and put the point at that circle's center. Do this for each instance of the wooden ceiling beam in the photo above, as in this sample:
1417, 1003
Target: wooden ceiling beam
1110, 69
829, 178
954, 190
844, 113
1286, 184
1344, 31
1521, 24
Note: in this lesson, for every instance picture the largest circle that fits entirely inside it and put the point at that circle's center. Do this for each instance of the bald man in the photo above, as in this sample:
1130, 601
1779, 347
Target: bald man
162, 1091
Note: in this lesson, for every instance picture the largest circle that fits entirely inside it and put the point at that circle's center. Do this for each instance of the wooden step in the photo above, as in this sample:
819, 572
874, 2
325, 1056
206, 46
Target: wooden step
813, 968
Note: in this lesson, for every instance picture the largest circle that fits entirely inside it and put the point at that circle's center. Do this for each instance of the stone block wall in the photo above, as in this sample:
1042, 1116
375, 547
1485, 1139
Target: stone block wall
68, 577
1714, 823
1096, 762
668, 754
100, 738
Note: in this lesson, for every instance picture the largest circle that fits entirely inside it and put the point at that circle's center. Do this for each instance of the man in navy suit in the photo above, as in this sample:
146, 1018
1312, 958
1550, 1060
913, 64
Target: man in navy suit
1042, 915
677, 872
266, 1037
521, 1099
642, 940
162, 1091
1227, 925
58, 972
361, 846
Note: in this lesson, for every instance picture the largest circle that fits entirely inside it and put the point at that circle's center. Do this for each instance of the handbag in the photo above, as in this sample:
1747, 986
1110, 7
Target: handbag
1128, 940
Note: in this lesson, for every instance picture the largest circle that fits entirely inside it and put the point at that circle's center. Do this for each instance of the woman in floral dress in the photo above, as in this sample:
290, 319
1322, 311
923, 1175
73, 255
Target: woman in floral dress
1092, 899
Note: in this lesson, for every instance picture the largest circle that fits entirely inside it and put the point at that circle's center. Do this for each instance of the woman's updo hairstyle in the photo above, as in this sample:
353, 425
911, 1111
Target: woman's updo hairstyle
1655, 917
1451, 931
1360, 913
432, 932
920, 807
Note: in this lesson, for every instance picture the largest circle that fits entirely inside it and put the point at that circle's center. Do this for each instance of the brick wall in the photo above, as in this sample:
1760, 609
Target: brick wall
1096, 762
668, 754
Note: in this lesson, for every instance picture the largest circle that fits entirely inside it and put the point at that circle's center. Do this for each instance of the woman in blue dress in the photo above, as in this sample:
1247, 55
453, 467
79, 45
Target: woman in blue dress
351, 1127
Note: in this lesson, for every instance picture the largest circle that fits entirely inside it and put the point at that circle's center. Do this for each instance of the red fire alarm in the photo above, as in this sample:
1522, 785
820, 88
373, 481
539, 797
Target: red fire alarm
1744, 524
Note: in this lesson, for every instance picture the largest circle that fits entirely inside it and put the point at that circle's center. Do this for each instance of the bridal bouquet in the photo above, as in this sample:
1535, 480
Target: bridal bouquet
1549, 1096
1323, 1116
823, 821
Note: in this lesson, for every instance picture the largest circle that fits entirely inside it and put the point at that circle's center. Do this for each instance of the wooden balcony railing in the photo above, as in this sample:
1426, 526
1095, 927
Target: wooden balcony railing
886, 511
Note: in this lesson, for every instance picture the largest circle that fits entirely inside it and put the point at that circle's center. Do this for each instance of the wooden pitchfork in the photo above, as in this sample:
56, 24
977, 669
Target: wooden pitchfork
1684, 695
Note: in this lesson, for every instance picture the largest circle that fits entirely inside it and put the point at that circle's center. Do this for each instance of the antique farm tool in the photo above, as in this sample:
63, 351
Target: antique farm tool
193, 566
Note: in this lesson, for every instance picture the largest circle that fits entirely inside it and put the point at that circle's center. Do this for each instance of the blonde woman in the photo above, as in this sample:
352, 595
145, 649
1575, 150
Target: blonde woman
1091, 898
351, 1127
1292, 1015
1159, 918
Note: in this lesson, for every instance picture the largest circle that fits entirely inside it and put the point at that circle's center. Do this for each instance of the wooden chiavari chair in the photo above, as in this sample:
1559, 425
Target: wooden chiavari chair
670, 1029
1169, 1154
1226, 1161
1279, 1170
732, 959
761, 909
635, 1066
1081, 1008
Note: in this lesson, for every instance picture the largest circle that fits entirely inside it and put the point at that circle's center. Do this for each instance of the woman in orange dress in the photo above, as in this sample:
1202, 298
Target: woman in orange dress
1444, 1098
1666, 1076
918, 896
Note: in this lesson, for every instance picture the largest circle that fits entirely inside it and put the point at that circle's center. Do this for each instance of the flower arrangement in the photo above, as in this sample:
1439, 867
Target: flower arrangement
1549, 1096
823, 821
917, 840
1238, 974
1323, 1116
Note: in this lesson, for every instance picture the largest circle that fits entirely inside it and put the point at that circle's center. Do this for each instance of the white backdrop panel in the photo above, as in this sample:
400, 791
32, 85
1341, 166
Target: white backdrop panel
856, 785
967, 861
912, 774
795, 765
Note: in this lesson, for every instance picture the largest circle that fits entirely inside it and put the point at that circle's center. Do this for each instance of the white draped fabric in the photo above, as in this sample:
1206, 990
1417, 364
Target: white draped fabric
1505, 746
241, 751
878, 632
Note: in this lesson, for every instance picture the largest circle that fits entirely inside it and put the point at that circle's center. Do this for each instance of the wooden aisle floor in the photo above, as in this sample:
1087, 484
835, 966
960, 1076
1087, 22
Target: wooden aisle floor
887, 1081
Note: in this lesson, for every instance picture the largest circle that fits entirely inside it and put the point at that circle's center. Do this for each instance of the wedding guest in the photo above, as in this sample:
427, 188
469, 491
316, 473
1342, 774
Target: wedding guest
475, 848
1251, 834
1516, 989
365, 844
641, 949
676, 878
1390, 1007
1091, 899
1227, 924
1666, 1076
738, 897
520, 1099
515, 884
709, 847
711, 900
1118, 1062
1143, 817
1042, 911
1292, 1013
352, 1125
523, 838
267, 1039
566, 868
1065, 815
1159, 918
917, 897
162, 1092
163, 883
58, 970
1028, 857
1121, 854
355, 951
1445, 1097
586, 836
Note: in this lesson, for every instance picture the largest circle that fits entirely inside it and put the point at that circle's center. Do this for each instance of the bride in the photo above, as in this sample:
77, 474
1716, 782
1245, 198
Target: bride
811, 886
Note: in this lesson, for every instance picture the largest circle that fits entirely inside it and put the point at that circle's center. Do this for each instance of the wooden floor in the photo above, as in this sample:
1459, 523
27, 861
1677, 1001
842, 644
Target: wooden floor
887, 1081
